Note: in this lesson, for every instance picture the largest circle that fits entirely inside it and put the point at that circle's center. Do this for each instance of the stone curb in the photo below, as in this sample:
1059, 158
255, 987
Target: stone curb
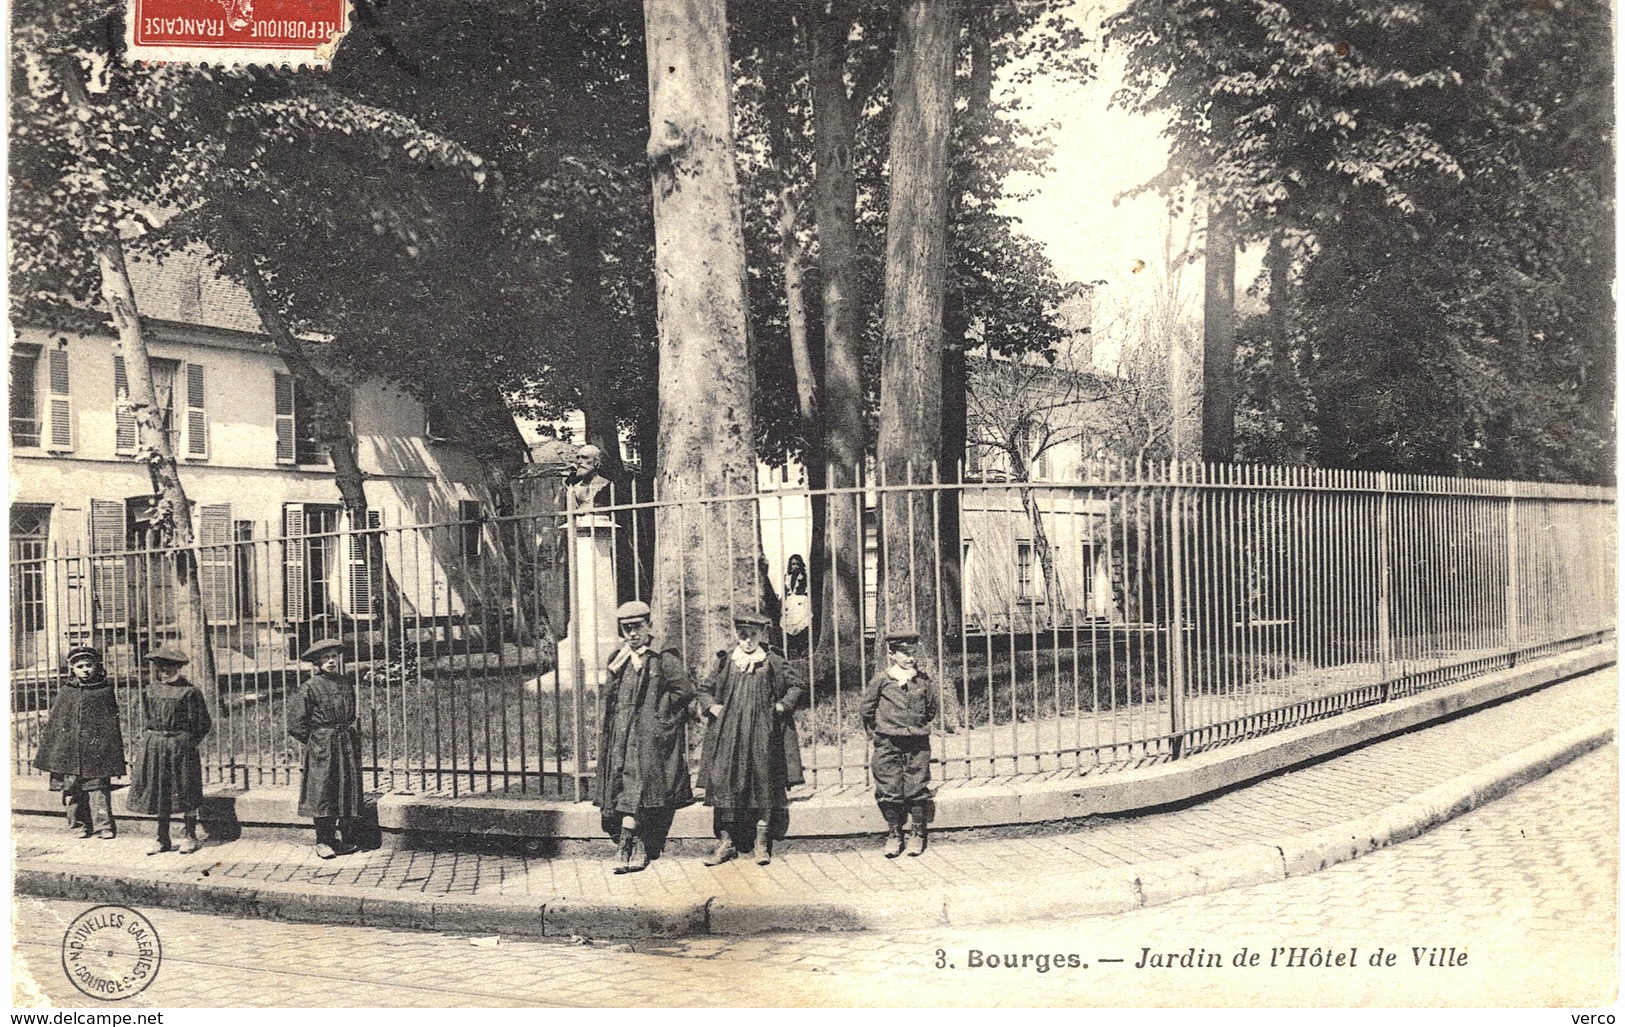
1090, 893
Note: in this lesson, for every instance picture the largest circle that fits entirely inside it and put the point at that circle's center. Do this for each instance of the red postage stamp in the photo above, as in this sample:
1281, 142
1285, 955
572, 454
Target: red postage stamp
237, 31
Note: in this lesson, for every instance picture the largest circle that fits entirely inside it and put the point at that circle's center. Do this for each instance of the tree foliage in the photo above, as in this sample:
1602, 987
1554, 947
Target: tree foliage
1444, 174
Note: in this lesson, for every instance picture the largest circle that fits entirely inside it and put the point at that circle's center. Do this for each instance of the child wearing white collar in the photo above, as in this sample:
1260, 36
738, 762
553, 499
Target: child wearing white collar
897, 709
752, 752
642, 777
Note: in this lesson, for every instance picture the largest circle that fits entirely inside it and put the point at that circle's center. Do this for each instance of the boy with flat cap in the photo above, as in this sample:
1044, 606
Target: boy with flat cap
323, 717
752, 754
168, 776
642, 767
897, 709
82, 747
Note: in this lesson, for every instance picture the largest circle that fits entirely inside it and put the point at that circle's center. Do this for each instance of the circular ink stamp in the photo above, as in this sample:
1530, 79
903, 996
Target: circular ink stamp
111, 952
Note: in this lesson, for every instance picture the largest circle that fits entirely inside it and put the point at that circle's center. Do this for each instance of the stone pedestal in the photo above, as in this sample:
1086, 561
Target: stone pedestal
593, 637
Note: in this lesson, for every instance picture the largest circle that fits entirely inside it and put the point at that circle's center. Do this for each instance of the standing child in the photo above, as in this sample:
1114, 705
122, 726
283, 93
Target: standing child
898, 708
323, 717
169, 777
752, 753
82, 747
642, 768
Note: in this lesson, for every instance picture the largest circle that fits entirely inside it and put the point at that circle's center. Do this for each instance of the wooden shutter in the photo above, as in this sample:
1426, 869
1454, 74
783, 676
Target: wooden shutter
285, 445
360, 578
60, 437
197, 414
124, 420
294, 580
110, 575
215, 564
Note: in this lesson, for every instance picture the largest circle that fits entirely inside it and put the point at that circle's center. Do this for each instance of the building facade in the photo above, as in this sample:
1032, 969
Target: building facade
266, 508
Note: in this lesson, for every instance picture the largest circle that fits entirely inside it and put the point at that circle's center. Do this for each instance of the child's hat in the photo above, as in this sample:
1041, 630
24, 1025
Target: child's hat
84, 650
902, 635
168, 654
751, 617
634, 610
326, 645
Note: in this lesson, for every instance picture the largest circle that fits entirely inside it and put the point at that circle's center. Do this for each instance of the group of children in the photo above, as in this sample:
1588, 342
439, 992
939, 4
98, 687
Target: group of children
751, 753
750, 759
82, 748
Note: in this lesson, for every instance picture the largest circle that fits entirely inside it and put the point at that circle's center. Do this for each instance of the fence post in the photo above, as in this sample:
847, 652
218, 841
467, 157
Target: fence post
1176, 622
1385, 631
1513, 599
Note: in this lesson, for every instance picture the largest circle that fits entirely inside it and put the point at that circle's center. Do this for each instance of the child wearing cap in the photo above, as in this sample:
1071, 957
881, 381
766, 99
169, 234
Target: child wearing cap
323, 716
169, 776
82, 747
752, 753
897, 709
642, 768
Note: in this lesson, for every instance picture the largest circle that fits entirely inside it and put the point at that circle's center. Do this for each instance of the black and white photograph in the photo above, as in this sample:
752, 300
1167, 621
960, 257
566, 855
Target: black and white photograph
801, 504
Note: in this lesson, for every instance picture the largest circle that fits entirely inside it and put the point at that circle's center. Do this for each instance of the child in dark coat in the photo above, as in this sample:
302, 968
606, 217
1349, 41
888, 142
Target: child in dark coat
752, 754
898, 708
169, 777
323, 717
82, 747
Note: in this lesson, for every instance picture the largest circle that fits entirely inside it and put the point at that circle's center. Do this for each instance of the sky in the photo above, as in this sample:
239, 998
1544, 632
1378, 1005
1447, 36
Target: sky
1102, 151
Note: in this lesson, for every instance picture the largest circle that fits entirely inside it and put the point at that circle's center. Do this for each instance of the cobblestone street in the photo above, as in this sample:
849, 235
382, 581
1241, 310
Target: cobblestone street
1522, 889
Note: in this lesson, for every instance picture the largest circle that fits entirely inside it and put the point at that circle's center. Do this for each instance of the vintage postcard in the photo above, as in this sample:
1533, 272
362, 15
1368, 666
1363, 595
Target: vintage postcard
884, 504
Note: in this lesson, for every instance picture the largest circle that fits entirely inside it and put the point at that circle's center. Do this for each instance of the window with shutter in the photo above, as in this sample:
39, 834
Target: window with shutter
216, 566
110, 575
286, 429
124, 420
295, 582
360, 568
197, 415
61, 438
26, 430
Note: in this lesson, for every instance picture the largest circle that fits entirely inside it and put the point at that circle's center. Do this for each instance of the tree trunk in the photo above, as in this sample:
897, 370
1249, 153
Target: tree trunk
795, 304
916, 270
956, 324
836, 565
705, 555
172, 510
1219, 324
1293, 403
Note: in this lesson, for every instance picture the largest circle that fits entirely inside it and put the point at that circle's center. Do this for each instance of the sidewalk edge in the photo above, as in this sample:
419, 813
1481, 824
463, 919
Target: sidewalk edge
1078, 894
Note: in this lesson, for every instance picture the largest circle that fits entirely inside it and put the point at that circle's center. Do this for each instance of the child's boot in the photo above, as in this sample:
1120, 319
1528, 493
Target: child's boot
78, 808
764, 844
326, 836
637, 854
916, 834
101, 814
189, 843
894, 828
724, 852
161, 844
344, 842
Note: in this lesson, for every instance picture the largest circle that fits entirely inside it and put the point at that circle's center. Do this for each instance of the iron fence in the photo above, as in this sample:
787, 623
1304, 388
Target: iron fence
1078, 627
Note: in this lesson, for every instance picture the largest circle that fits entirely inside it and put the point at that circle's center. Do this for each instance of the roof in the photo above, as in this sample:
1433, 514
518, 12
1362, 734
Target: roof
183, 288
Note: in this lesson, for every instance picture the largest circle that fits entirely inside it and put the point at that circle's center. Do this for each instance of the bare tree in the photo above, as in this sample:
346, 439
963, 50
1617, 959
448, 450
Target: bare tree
1023, 411
1159, 367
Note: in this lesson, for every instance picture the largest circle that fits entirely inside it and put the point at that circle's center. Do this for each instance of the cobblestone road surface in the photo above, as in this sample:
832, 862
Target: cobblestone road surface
1522, 890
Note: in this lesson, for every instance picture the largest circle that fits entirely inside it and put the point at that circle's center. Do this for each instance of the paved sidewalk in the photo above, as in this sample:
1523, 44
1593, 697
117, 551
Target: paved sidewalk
677, 895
